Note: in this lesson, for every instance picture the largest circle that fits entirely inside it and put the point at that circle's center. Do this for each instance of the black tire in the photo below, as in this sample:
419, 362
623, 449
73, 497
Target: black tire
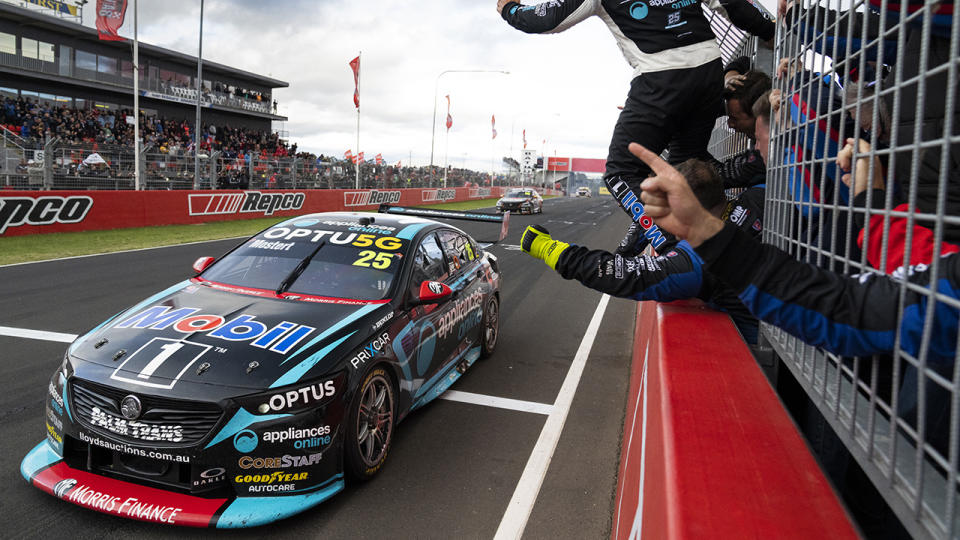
369, 432
490, 327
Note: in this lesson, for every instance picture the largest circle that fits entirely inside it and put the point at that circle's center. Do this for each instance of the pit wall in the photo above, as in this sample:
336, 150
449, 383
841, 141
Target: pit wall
23, 212
708, 449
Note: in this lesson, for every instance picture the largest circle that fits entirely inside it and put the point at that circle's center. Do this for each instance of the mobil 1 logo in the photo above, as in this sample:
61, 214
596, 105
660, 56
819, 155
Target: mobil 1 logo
160, 363
46, 210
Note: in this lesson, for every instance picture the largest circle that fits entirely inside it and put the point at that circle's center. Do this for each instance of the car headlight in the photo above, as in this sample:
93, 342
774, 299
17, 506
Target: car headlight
296, 397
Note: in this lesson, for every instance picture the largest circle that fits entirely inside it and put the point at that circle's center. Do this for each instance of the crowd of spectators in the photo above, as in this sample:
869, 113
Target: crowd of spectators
35, 122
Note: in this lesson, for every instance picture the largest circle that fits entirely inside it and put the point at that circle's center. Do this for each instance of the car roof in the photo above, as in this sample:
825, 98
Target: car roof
347, 219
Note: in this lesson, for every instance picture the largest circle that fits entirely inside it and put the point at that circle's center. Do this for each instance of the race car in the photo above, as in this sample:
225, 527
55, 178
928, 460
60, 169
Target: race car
522, 201
249, 392
584, 192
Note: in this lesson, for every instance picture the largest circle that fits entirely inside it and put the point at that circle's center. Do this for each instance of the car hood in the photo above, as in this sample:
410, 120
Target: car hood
196, 334
514, 199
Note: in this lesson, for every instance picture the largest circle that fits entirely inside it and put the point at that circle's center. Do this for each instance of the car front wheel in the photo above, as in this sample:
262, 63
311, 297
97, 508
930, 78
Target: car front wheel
371, 423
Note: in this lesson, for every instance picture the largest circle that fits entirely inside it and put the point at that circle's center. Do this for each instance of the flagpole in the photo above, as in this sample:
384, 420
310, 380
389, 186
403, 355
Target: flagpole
446, 158
136, 102
196, 133
359, 53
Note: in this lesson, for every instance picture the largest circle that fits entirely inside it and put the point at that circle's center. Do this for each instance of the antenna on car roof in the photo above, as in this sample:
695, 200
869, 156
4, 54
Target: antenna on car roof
366, 220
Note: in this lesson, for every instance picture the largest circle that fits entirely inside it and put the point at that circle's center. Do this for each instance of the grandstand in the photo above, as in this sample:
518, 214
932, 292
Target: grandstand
64, 87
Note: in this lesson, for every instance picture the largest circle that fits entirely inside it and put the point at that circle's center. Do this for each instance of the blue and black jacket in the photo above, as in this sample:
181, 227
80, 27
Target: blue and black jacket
676, 273
846, 315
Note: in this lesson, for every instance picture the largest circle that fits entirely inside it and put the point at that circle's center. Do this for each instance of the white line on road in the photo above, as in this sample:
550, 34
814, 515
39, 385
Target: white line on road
525, 496
37, 334
499, 402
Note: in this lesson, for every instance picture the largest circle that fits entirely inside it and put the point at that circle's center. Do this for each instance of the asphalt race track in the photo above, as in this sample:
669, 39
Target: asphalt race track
455, 464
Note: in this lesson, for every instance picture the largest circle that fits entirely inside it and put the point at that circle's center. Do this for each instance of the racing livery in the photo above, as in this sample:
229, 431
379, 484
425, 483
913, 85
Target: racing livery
251, 391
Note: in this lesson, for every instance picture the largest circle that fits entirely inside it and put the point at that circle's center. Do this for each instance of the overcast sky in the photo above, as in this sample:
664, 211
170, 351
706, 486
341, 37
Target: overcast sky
564, 88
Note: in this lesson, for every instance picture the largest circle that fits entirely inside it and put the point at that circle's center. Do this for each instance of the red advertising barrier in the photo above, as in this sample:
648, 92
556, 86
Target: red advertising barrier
708, 450
23, 212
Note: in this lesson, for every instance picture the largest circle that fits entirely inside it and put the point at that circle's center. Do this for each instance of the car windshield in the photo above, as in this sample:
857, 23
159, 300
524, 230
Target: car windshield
348, 264
519, 194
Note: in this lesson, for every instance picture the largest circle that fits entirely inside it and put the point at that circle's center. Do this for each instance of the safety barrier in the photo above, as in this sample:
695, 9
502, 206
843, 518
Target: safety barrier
30, 212
708, 450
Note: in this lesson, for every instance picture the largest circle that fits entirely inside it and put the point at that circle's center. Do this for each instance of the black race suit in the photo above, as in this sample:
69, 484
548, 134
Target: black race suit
675, 96
676, 273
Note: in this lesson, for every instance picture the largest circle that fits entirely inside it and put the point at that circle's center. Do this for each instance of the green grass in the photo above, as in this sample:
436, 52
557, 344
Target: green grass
38, 247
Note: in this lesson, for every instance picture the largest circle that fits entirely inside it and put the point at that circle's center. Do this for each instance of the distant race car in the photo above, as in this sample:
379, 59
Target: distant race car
521, 201
584, 192
247, 393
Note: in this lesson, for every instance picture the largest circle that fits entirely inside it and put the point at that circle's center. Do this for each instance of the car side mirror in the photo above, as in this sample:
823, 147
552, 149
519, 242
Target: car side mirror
433, 292
202, 264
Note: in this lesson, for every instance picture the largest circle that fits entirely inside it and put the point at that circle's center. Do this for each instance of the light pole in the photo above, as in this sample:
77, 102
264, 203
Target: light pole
436, 88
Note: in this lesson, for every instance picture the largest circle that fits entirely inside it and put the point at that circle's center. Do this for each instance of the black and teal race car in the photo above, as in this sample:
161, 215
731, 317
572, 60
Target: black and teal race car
251, 391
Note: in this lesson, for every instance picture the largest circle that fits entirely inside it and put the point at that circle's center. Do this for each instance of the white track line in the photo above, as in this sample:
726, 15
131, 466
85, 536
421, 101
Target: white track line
525, 496
37, 334
499, 402
122, 251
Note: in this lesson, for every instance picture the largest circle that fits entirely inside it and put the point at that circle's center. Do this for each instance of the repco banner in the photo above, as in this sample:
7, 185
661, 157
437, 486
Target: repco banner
37, 212
438, 195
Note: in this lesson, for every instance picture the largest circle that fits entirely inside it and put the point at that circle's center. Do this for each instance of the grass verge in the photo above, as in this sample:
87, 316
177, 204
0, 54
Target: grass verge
38, 247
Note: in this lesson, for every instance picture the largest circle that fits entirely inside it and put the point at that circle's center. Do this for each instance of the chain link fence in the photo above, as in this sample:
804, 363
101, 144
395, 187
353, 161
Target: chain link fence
887, 74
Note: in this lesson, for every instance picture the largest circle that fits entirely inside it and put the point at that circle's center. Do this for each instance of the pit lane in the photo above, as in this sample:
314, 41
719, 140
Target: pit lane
455, 464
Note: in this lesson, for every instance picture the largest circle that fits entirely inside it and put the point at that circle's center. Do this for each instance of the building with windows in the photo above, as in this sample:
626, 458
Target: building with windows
57, 61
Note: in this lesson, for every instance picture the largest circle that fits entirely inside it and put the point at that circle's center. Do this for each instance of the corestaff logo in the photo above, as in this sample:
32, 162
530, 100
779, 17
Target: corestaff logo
370, 197
212, 204
478, 193
46, 210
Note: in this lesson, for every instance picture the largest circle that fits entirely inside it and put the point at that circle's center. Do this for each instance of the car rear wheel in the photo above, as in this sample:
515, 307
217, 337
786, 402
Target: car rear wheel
371, 423
490, 326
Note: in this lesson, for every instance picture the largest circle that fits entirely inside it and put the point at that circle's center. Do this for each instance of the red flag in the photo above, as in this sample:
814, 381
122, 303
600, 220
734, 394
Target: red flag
398, 164
449, 118
348, 154
360, 156
379, 158
493, 125
110, 15
355, 65
524, 138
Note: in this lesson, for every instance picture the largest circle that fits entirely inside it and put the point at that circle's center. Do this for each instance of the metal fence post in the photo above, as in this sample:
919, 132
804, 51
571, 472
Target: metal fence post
293, 172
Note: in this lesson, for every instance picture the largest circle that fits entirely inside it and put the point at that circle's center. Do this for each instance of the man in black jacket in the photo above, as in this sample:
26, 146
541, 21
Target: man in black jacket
674, 98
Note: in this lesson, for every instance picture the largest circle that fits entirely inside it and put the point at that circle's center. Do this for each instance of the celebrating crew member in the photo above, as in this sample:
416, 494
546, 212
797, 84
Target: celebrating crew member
677, 273
675, 96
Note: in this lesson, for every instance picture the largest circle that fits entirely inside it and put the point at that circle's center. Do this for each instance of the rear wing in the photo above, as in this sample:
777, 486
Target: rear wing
504, 219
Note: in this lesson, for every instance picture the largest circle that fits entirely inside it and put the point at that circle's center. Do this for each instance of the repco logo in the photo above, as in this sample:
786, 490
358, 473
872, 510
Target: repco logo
430, 195
366, 198
47, 210
268, 203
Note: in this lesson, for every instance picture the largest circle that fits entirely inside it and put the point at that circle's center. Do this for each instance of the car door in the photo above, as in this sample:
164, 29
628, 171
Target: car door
463, 331
415, 345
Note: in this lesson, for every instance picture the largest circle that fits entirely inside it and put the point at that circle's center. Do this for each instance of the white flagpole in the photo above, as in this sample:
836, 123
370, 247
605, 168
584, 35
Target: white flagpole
359, 163
196, 133
136, 102
446, 158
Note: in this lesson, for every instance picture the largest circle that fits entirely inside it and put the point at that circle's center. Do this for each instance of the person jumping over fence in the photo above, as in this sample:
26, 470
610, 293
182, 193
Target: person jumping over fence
675, 96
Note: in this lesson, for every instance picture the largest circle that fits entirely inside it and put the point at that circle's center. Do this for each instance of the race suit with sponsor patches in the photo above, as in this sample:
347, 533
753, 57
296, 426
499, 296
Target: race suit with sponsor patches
675, 95
676, 273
